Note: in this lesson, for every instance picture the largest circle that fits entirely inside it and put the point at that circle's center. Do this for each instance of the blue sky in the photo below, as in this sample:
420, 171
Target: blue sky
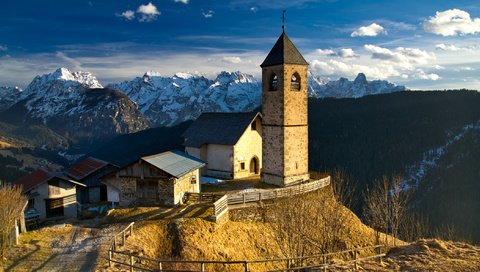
421, 44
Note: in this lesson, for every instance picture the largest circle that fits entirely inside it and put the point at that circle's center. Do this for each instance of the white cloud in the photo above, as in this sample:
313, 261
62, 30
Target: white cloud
339, 68
370, 30
446, 47
422, 75
466, 68
254, 9
149, 12
347, 53
404, 57
208, 13
182, 1
128, 14
232, 59
452, 22
3, 47
439, 67
325, 52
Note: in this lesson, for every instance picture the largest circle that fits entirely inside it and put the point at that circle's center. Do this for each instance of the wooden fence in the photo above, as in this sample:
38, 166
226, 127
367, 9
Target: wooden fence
315, 262
123, 235
260, 194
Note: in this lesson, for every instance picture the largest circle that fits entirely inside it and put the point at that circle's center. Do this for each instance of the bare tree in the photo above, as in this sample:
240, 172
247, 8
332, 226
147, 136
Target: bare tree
385, 207
309, 224
12, 202
343, 187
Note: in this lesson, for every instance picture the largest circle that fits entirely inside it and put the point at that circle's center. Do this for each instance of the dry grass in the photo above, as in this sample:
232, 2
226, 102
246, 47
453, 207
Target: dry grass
35, 248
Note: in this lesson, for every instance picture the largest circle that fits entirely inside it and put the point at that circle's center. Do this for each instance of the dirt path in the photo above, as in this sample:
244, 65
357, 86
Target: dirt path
81, 251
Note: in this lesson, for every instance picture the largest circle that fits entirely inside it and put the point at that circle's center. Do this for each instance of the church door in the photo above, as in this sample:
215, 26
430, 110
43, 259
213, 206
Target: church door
254, 166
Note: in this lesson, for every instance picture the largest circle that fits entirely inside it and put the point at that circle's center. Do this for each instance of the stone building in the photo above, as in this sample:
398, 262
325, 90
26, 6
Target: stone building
52, 195
158, 179
89, 171
285, 115
229, 143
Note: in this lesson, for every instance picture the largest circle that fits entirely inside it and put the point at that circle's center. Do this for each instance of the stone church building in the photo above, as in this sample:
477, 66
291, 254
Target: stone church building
285, 115
229, 143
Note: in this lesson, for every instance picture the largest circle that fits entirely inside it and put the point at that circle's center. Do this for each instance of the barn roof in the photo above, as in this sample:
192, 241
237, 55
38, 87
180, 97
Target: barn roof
218, 128
175, 163
284, 52
40, 176
85, 167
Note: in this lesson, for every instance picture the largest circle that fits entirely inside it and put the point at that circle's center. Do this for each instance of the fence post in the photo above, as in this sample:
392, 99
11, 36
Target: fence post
288, 264
123, 238
245, 265
202, 267
243, 198
110, 257
260, 197
380, 252
114, 242
355, 260
131, 263
160, 266
325, 263
131, 229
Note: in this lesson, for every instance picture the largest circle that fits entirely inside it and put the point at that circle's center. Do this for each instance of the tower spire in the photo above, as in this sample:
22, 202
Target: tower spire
283, 21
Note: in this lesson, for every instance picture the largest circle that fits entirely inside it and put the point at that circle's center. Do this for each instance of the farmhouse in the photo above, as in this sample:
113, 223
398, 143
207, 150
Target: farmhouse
51, 194
229, 143
88, 172
158, 179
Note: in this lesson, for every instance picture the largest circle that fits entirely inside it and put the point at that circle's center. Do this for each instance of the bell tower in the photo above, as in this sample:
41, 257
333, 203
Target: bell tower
285, 115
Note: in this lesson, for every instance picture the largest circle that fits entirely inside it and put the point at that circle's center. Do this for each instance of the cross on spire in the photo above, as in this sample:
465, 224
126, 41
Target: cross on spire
283, 21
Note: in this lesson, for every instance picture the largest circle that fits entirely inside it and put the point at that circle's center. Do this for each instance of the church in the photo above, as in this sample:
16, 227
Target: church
283, 125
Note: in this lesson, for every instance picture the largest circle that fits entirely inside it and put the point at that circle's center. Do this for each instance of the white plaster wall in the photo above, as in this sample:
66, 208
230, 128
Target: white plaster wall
248, 146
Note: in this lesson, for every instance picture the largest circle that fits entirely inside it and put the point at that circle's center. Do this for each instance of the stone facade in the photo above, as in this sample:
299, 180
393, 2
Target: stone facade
127, 184
285, 125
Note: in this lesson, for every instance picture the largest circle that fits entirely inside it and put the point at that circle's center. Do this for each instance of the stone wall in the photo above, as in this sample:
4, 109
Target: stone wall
285, 126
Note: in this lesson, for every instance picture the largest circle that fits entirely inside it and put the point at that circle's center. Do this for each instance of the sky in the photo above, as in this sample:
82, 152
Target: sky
423, 44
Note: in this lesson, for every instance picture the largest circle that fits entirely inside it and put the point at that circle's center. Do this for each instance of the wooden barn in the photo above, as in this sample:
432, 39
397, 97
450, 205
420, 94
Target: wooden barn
158, 179
88, 172
229, 143
53, 195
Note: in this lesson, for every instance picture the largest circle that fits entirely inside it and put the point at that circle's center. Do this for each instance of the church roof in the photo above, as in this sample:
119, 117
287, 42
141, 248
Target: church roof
283, 52
218, 128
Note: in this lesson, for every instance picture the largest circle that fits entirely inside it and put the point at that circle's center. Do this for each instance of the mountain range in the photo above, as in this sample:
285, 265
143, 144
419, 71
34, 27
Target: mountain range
163, 101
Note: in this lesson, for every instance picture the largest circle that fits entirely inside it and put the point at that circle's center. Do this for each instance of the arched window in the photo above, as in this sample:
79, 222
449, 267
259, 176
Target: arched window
295, 82
273, 83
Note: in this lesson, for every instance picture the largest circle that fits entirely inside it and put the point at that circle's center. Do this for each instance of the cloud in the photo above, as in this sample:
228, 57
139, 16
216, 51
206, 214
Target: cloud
325, 52
343, 53
347, 53
128, 14
208, 13
232, 59
339, 68
148, 12
254, 9
454, 48
370, 31
404, 57
182, 1
3, 47
422, 75
452, 22
439, 67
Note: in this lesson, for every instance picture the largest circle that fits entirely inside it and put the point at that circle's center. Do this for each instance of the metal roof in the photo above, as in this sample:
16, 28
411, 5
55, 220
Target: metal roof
85, 167
40, 176
284, 52
175, 163
223, 128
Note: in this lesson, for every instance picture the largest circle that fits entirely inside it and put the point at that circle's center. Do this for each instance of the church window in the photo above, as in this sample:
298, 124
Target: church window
193, 180
242, 166
295, 82
273, 83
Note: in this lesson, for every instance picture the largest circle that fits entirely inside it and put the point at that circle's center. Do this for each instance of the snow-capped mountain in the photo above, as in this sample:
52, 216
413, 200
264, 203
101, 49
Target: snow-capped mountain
166, 101
76, 104
8, 96
344, 88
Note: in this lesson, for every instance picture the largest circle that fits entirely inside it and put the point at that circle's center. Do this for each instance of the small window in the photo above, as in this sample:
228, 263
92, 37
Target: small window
193, 180
31, 203
242, 166
273, 83
295, 82
254, 125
